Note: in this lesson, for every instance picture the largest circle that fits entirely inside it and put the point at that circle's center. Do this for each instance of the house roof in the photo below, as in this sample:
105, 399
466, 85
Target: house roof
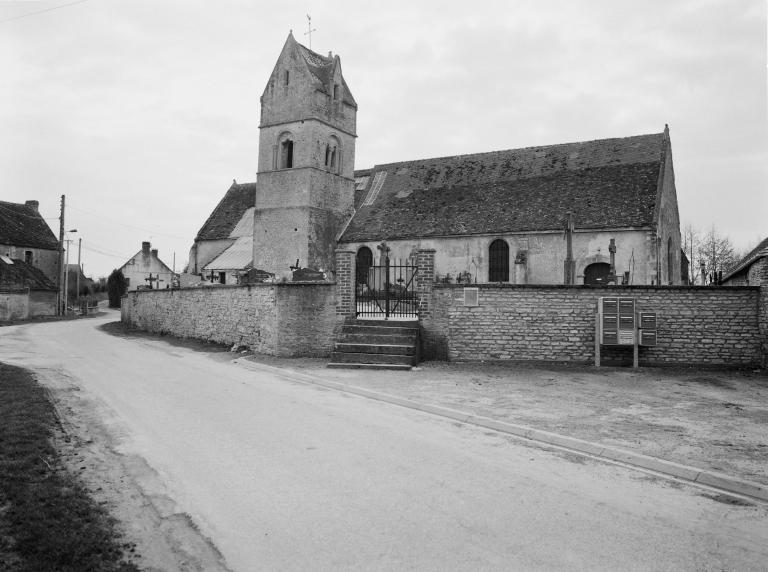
224, 218
604, 183
22, 225
760, 251
19, 274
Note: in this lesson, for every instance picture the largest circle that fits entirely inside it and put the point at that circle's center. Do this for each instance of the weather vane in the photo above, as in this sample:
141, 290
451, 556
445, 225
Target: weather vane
309, 30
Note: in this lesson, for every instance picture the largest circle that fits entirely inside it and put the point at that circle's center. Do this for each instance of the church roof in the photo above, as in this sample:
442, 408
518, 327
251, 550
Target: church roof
22, 225
604, 183
224, 218
15, 273
239, 256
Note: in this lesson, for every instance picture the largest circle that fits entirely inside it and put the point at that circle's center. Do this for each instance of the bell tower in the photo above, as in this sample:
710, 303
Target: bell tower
305, 181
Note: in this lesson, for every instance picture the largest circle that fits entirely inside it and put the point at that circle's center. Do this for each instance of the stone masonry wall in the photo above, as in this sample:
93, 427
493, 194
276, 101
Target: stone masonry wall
14, 305
285, 319
698, 326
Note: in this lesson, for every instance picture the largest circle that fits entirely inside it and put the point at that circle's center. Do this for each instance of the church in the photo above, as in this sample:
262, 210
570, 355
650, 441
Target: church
592, 212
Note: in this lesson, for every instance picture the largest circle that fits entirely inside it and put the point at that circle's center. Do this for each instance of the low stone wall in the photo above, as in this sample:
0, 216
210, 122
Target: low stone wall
696, 325
14, 305
284, 319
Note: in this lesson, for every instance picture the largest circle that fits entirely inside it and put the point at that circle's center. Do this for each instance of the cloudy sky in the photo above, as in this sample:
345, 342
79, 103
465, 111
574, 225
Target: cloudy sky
143, 111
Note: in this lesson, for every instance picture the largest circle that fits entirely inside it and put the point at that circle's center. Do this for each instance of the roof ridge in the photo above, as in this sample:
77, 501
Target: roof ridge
502, 151
325, 61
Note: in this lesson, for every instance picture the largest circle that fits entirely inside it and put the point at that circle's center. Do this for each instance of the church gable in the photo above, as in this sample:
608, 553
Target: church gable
605, 183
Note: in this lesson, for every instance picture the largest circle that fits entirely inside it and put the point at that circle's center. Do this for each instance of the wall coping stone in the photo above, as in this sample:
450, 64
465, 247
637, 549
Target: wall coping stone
618, 289
230, 287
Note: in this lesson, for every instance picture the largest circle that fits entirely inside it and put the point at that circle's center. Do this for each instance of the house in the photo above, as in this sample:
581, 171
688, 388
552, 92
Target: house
752, 270
146, 270
25, 291
223, 248
594, 211
25, 235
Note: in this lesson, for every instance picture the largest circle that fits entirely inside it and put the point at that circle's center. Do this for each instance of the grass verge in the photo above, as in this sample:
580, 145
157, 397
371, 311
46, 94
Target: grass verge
47, 520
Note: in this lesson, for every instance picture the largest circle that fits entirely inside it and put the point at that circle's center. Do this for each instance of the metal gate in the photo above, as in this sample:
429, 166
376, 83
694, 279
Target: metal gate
388, 290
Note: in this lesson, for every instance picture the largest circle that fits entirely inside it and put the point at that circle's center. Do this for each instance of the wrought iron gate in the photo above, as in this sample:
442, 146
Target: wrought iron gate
388, 290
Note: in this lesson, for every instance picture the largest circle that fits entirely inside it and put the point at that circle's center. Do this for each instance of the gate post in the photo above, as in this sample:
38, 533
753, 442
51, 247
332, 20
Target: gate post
345, 282
425, 278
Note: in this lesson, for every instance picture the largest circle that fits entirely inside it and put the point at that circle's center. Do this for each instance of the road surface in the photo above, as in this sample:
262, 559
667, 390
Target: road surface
281, 475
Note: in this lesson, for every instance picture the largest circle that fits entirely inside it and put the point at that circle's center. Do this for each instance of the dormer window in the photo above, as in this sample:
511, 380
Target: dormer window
335, 91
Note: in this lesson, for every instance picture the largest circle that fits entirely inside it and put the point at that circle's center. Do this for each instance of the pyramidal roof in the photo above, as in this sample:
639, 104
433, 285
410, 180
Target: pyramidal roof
323, 67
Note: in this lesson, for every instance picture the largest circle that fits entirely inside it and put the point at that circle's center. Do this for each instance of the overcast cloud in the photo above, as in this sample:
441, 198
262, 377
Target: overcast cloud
143, 111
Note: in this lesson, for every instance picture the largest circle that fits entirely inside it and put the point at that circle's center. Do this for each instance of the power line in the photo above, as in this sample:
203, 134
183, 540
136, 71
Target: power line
104, 252
41, 11
113, 221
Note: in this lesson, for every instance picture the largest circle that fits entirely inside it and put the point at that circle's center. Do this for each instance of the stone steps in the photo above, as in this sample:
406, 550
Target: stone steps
376, 344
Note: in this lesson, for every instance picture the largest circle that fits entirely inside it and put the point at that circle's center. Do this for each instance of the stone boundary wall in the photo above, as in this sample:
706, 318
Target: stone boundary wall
289, 319
696, 325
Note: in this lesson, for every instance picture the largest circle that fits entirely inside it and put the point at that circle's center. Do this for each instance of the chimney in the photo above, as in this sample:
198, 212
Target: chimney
34, 204
154, 252
145, 248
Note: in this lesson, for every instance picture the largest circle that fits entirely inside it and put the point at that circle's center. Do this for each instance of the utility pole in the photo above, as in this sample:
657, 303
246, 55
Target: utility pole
66, 281
79, 268
61, 260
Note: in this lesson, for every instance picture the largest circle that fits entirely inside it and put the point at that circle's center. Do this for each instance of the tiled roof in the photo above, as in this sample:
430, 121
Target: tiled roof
22, 225
604, 183
760, 251
19, 274
322, 68
239, 256
229, 211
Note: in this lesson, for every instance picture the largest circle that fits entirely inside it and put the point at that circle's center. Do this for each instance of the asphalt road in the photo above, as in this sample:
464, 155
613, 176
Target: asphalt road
280, 475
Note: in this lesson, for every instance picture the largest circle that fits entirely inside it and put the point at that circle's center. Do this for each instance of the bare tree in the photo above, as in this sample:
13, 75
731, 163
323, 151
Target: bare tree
717, 252
711, 248
691, 243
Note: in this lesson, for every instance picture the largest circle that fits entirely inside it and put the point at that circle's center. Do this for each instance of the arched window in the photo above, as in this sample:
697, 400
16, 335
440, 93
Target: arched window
670, 261
286, 154
498, 261
333, 155
597, 273
364, 262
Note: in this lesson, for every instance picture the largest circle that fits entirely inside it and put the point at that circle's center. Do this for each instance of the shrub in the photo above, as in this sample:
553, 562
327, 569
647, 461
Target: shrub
117, 285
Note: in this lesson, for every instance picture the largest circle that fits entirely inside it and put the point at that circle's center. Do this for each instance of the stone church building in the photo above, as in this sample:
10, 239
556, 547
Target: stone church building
501, 216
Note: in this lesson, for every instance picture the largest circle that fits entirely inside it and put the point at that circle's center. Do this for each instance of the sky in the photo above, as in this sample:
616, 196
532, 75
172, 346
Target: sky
142, 112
